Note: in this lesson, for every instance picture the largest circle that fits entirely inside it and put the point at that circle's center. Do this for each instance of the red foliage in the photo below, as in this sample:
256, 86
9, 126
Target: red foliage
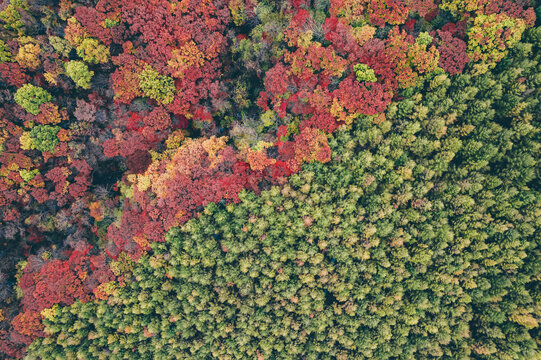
310, 145
92, 20
279, 170
457, 29
301, 83
45, 283
300, 23
125, 83
409, 25
49, 114
453, 56
77, 189
393, 12
40, 195
138, 162
110, 147
201, 171
85, 111
359, 98
277, 81
129, 236
54, 283
184, 42
432, 15
262, 101
410, 58
28, 324
158, 119
137, 132
316, 59
13, 74
423, 7
7, 346
352, 11
58, 175
130, 142
340, 34
258, 160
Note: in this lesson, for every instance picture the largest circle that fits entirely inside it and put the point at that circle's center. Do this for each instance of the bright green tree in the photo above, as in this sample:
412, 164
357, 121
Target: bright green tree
158, 87
30, 97
44, 137
92, 51
5, 54
11, 16
78, 71
364, 73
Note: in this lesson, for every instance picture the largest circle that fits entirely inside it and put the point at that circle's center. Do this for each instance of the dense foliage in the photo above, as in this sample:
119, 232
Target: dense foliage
382, 154
420, 239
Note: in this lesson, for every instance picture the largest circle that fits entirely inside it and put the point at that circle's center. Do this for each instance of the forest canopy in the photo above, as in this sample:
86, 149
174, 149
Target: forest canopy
254, 179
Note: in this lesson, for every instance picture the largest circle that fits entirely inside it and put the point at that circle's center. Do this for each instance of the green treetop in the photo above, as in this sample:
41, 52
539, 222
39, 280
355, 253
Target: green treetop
5, 54
44, 137
364, 73
155, 86
30, 97
92, 51
79, 73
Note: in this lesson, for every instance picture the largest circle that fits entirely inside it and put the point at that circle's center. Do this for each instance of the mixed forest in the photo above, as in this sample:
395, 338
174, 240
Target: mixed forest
270, 179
